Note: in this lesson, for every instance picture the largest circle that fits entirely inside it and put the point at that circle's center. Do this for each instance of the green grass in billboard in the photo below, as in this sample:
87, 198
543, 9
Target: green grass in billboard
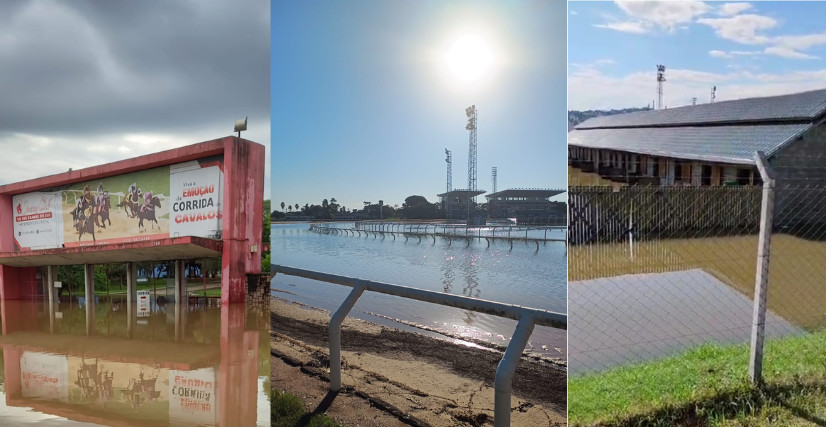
155, 180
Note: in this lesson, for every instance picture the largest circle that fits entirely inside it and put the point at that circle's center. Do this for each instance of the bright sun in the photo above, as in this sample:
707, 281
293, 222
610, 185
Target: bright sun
469, 59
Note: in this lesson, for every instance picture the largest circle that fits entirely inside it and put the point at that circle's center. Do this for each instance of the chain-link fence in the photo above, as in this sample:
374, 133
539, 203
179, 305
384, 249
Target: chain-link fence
654, 271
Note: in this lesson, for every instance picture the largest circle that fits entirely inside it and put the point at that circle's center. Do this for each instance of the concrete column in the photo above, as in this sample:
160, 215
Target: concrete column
180, 283
181, 300
44, 281
131, 297
89, 281
233, 274
51, 278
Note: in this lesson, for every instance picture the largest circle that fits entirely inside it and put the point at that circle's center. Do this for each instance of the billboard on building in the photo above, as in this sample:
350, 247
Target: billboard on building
169, 201
38, 220
195, 205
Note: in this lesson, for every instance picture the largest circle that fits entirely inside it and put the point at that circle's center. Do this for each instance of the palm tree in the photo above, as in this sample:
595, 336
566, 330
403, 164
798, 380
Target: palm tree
282, 206
291, 208
296, 207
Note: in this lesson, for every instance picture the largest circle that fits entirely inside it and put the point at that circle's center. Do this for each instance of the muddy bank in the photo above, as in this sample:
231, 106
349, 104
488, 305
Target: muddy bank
430, 380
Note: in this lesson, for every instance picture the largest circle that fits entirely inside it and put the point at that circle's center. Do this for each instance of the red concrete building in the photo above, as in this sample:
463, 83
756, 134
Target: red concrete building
202, 200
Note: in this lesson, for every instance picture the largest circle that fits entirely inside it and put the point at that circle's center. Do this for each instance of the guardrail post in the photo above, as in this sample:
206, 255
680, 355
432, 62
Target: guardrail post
761, 280
506, 369
335, 336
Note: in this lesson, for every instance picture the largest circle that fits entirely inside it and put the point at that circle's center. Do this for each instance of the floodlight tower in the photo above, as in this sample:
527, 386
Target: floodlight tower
660, 81
470, 112
449, 160
493, 175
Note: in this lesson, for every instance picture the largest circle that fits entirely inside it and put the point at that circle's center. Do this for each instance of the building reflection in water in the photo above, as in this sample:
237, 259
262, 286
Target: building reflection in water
103, 362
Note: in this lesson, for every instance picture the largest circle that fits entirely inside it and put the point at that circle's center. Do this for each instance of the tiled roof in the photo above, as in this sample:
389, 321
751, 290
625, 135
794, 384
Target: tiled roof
525, 192
726, 144
727, 131
805, 106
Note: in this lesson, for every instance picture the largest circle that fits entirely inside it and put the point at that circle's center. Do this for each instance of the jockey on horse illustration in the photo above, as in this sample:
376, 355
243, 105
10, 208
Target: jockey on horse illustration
147, 211
88, 200
133, 196
147, 199
77, 213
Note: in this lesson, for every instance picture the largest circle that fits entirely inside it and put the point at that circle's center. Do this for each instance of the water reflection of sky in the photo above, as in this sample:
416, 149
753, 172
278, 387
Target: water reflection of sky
521, 275
634, 318
102, 364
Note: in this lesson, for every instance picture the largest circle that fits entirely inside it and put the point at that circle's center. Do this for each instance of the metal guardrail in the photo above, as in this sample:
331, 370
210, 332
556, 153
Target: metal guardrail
527, 317
508, 233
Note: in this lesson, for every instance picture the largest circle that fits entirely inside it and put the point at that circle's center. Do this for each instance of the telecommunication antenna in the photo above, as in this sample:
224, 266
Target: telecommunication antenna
713, 93
660, 81
493, 175
694, 100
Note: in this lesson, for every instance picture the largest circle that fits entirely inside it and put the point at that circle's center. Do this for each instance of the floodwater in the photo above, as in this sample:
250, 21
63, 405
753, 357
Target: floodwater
519, 275
103, 363
637, 301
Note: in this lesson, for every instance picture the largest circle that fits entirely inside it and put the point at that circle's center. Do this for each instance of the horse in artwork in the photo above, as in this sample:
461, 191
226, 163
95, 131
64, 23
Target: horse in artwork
147, 212
102, 210
84, 224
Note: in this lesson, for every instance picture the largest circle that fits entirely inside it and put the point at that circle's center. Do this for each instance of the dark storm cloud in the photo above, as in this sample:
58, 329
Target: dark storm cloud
75, 67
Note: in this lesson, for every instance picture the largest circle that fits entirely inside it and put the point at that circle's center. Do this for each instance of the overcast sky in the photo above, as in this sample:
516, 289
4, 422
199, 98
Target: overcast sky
746, 49
90, 82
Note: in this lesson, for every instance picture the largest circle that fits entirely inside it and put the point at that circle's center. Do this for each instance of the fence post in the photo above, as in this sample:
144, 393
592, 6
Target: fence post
335, 335
762, 276
503, 381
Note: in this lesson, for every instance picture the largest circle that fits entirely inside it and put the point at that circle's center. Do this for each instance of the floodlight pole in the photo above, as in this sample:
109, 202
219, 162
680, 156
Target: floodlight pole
471, 162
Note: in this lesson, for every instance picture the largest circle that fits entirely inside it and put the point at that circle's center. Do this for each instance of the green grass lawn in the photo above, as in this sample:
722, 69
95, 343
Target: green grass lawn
215, 292
709, 386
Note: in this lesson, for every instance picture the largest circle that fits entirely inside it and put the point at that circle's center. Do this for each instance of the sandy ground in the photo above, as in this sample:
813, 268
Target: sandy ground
394, 377
121, 226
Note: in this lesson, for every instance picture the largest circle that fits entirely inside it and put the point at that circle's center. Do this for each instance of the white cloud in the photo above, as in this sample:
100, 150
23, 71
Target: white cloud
667, 15
734, 53
801, 42
720, 54
625, 27
573, 12
731, 9
787, 53
741, 28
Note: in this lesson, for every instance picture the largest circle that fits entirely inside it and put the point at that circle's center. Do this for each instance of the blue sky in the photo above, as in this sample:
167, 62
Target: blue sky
364, 104
746, 49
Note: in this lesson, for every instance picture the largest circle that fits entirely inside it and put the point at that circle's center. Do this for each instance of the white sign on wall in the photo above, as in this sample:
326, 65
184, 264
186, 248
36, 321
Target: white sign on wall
196, 195
144, 305
44, 376
38, 221
192, 399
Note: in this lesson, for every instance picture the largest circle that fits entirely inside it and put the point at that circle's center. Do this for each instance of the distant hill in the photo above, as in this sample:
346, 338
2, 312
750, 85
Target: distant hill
576, 117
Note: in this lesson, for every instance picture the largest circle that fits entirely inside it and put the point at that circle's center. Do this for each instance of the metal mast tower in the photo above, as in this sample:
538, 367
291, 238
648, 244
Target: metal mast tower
470, 112
493, 175
449, 160
660, 80
713, 93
